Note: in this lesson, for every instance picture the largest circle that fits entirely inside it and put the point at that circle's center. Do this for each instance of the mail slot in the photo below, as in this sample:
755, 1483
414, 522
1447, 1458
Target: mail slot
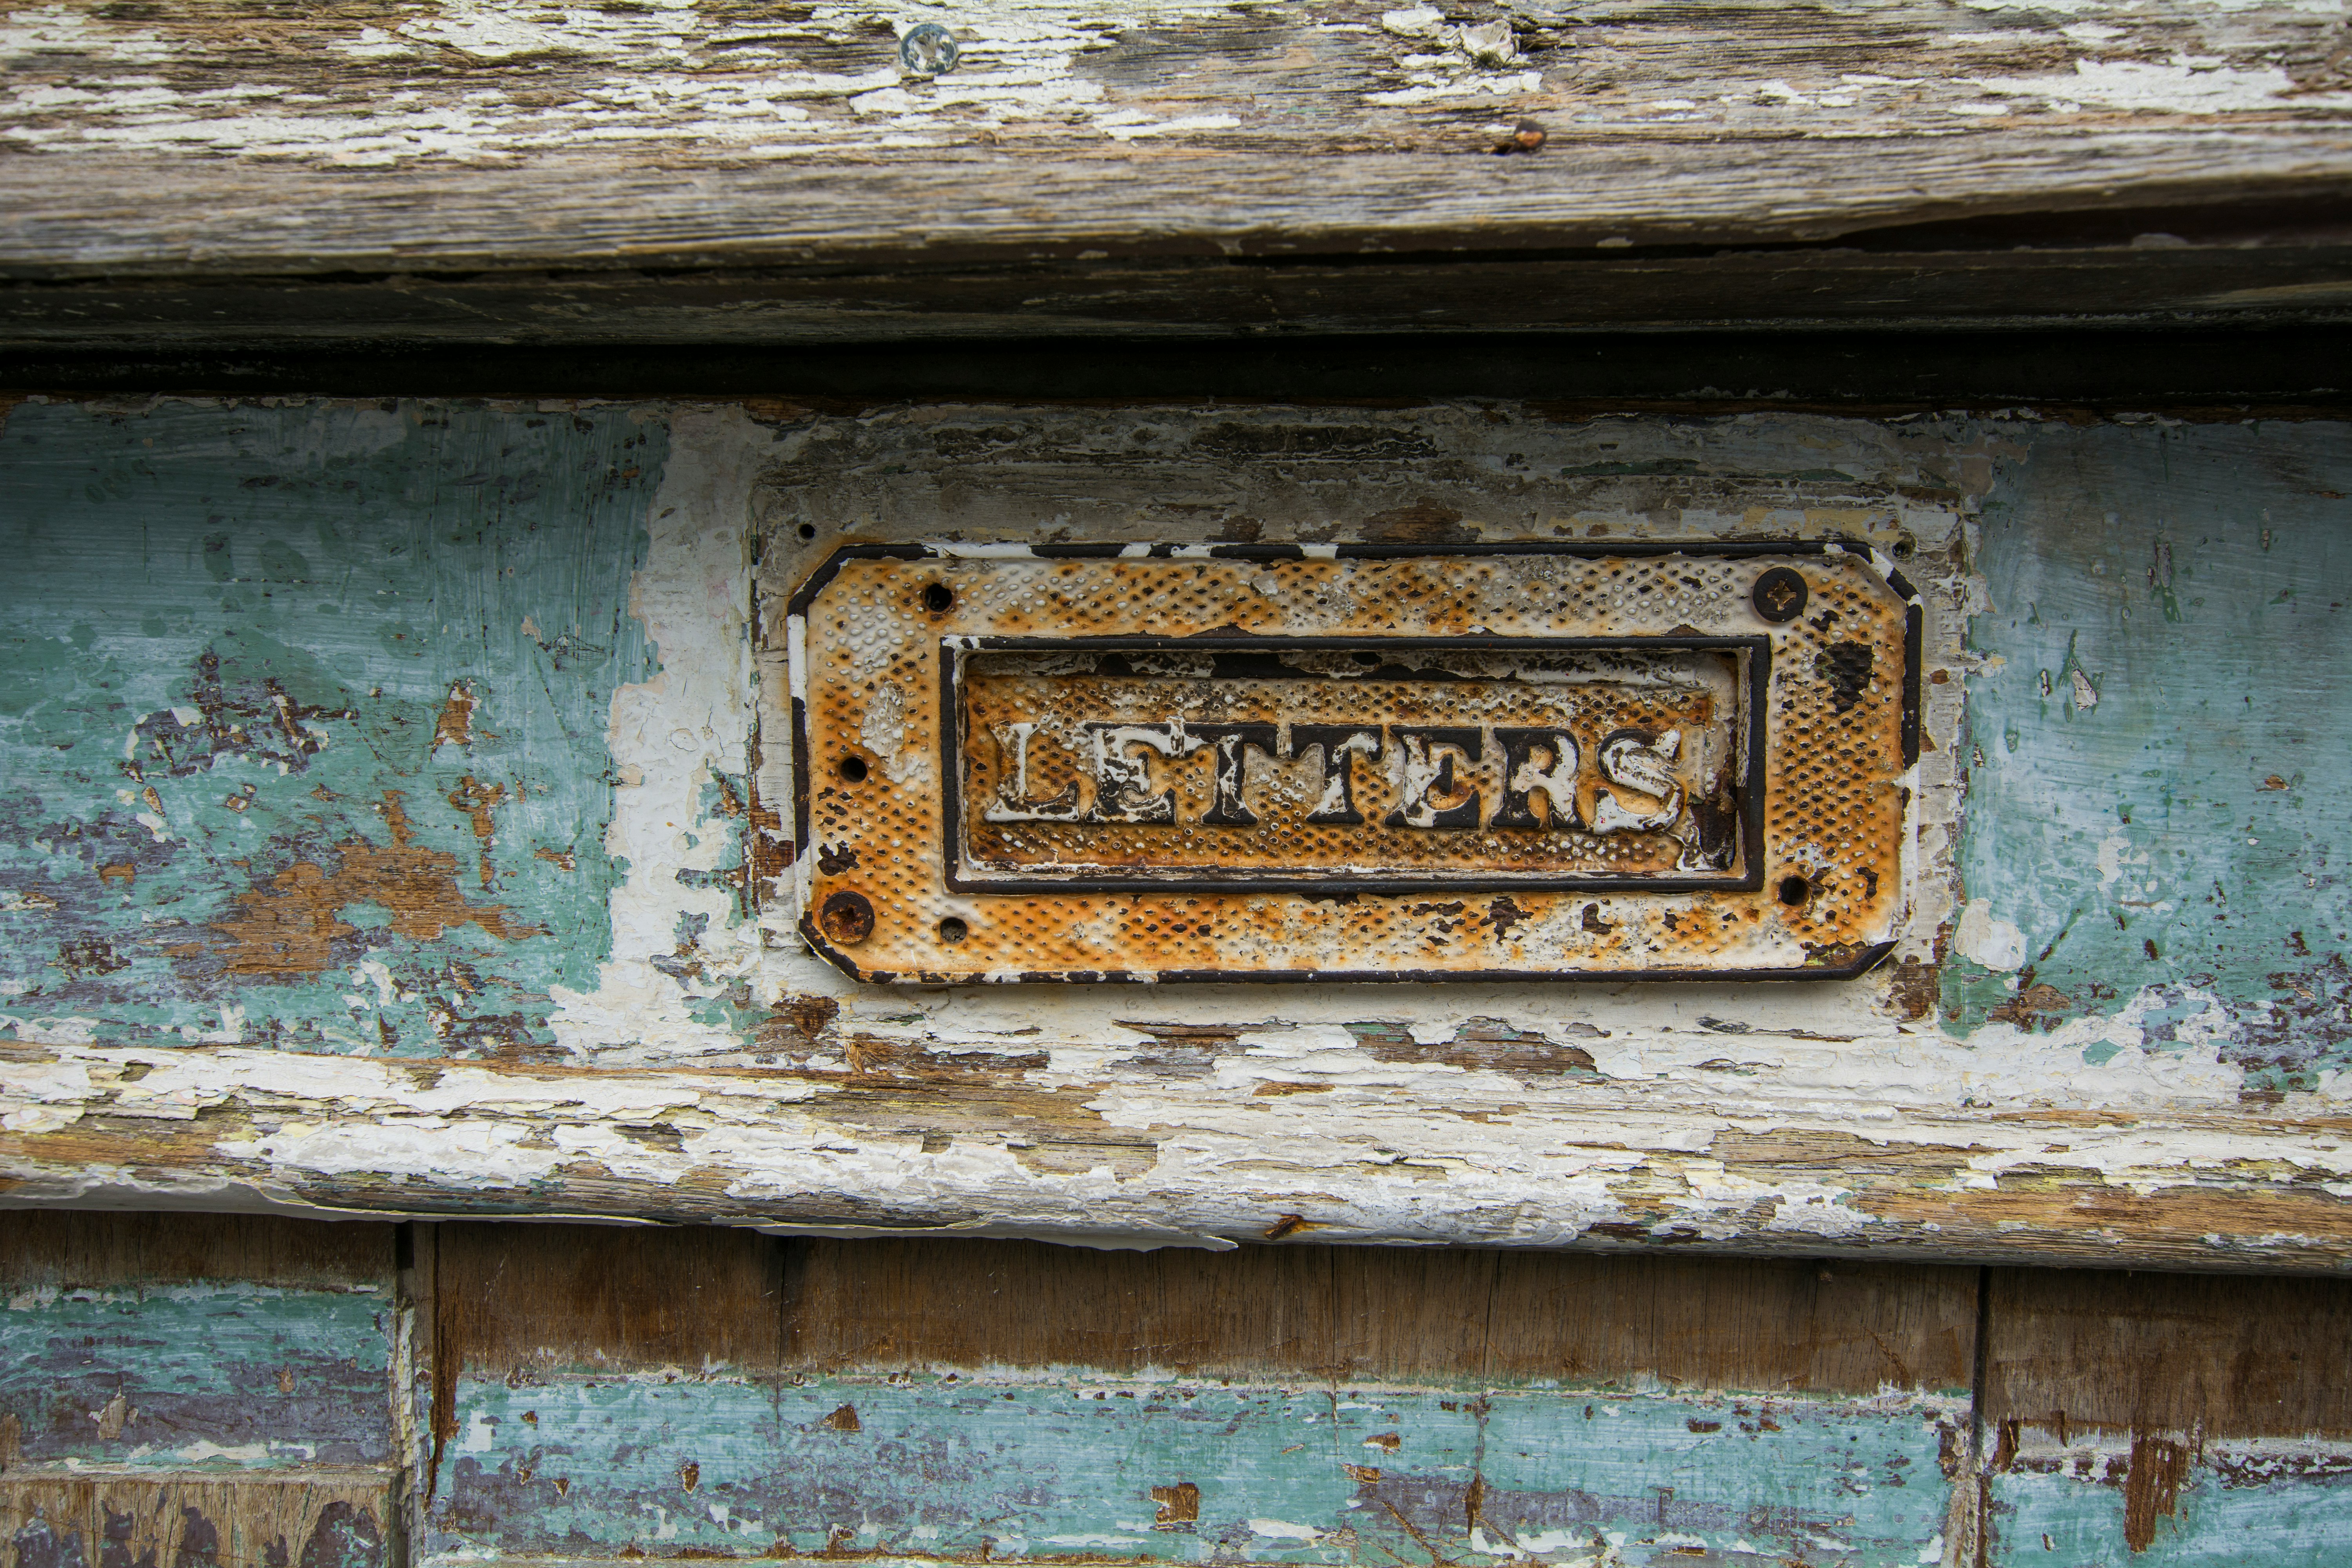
1155, 765
1024, 763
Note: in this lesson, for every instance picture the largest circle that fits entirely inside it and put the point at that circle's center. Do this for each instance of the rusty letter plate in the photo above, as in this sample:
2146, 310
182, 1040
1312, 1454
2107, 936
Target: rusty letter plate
1278, 764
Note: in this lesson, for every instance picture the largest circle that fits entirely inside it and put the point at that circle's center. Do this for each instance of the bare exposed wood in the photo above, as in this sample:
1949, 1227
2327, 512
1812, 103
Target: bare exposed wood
72, 1250
258, 1521
1057, 177
511, 1298
2143, 1353
1361, 1313
531, 1299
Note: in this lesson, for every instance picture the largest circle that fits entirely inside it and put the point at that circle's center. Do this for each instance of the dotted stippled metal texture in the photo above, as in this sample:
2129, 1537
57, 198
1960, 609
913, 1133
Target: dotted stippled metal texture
1820, 893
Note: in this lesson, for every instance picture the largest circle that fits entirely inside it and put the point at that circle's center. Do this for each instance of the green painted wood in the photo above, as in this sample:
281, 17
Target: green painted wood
2287, 1508
2156, 786
241, 804
168, 1377
995, 1466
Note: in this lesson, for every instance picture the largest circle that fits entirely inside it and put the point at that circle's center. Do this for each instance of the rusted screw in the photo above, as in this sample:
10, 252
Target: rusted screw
929, 50
846, 918
1779, 595
1526, 136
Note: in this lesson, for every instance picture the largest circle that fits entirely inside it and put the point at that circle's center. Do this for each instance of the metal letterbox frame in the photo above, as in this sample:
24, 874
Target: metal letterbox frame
886, 896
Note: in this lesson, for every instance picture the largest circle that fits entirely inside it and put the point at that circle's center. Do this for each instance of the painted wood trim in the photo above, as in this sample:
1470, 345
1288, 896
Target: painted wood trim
648, 1042
1123, 157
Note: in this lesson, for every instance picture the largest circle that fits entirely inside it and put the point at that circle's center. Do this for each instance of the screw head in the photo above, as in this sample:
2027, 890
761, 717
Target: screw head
929, 50
1779, 595
846, 918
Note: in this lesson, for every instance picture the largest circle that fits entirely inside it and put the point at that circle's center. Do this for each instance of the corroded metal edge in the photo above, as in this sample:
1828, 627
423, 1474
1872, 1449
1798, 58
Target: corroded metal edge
797, 606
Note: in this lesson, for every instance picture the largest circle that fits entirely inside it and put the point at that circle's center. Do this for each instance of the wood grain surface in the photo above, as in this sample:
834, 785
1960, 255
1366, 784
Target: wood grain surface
2167, 1353
495, 171
1361, 1313
608, 1392
321, 1520
77, 1249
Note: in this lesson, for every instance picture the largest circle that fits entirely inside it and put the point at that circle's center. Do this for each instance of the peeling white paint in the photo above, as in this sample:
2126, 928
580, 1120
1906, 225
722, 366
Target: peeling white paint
682, 80
694, 596
1985, 938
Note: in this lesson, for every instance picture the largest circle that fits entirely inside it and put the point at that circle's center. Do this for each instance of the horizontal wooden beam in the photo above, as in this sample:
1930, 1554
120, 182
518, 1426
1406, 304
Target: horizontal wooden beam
511, 940
495, 171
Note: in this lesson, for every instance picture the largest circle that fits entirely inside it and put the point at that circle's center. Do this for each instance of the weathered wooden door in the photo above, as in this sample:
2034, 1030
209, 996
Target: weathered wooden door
1181, 783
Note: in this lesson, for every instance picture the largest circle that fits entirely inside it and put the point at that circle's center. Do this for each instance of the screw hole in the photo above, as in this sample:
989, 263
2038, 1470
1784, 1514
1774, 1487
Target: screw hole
1906, 547
938, 597
953, 930
846, 918
1795, 889
808, 531
852, 768
1369, 660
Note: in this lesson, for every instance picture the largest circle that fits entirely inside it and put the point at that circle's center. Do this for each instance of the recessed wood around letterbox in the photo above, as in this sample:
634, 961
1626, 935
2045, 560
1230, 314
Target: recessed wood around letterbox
1219, 761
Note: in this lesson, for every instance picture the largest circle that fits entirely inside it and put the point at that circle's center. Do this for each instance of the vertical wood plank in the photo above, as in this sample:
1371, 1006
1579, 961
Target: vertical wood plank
2167, 1418
198, 1520
2073, 1350
198, 1390
167, 1339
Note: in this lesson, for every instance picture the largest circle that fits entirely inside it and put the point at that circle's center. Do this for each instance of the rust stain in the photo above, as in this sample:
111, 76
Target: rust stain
1915, 986
2031, 1001
690, 1475
455, 726
1285, 1225
1179, 1504
289, 925
477, 802
768, 844
808, 1017
1423, 522
2152, 1487
844, 1419
562, 857
1389, 1440
119, 871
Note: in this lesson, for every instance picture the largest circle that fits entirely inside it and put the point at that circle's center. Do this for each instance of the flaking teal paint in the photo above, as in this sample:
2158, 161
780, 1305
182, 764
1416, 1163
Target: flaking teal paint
2198, 578
235, 1376
2065, 1521
358, 561
1054, 1468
